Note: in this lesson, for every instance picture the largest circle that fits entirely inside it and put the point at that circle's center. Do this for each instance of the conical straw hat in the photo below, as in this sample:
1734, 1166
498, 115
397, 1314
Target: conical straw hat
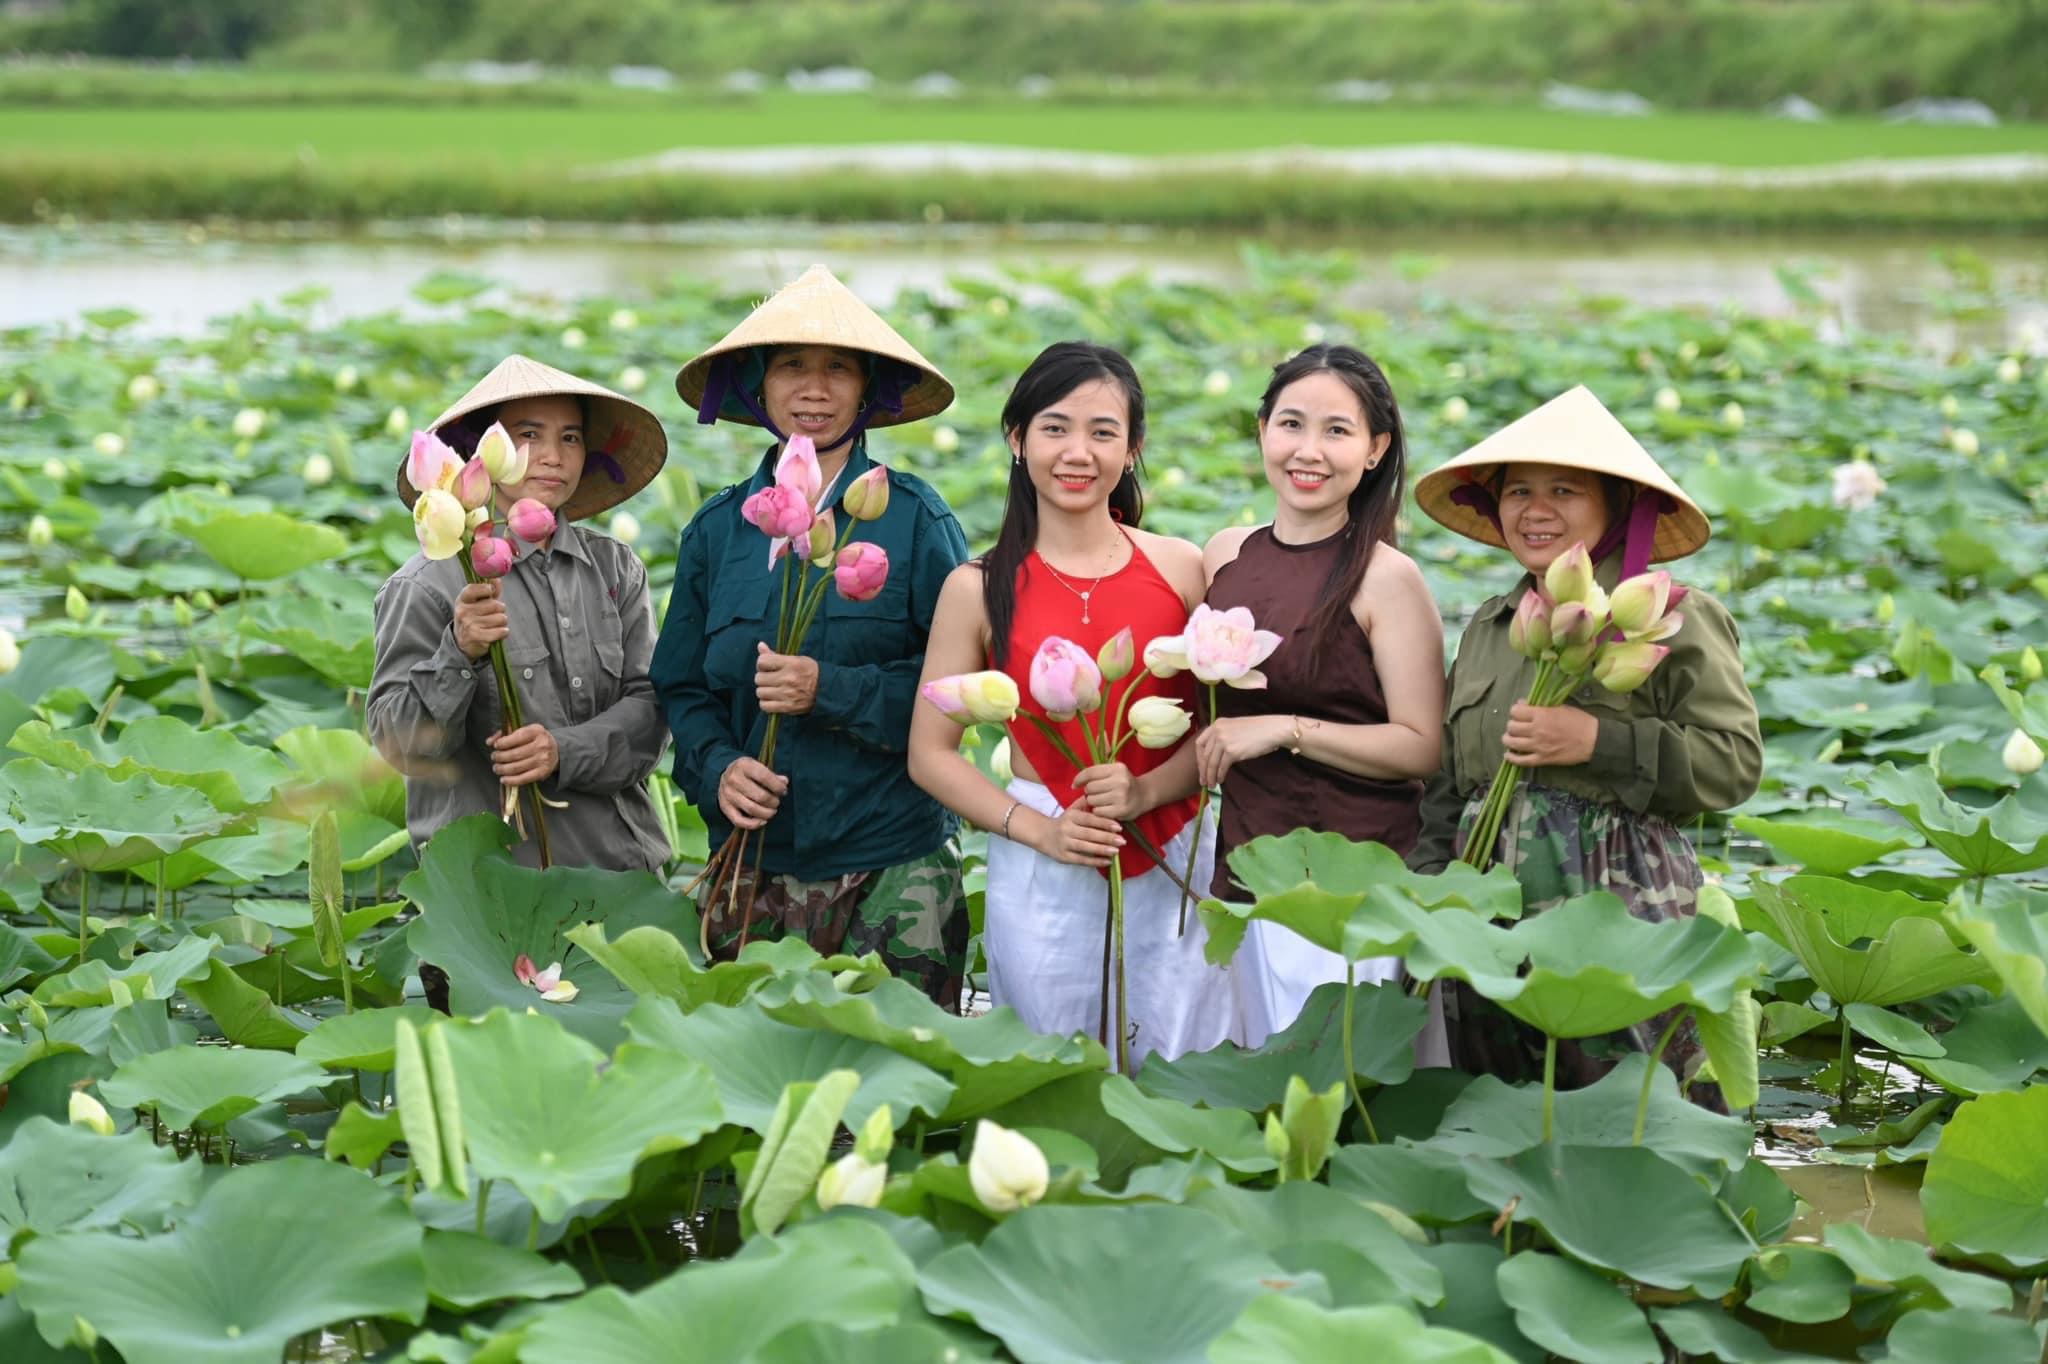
817, 310
624, 447
1574, 430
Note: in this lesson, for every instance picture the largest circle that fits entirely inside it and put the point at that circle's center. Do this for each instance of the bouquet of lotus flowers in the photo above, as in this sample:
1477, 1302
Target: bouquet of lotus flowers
1067, 684
806, 540
1573, 628
452, 517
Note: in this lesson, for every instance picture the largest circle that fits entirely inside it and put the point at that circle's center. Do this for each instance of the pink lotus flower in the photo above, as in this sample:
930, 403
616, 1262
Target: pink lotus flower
798, 470
867, 497
473, 485
1570, 575
504, 461
1639, 602
1118, 655
1529, 631
531, 521
1228, 646
823, 539
778, 512
983, 698
1064, 679
861, 571
491, 556
1625, 667
431, 464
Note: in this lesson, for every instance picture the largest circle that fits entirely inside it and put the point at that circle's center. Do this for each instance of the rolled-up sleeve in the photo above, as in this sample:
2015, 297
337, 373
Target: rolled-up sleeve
705, 744
422, 684
621, 745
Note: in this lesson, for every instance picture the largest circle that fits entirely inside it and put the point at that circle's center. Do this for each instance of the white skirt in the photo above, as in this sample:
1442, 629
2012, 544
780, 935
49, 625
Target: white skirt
1042, 931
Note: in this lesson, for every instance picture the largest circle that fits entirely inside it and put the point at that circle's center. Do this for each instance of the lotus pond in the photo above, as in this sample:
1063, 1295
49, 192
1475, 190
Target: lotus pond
210, 917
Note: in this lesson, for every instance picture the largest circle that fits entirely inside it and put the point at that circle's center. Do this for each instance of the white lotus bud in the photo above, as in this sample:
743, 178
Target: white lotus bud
399, 422
1949, 407
1455, 371
2022, 756
853, 1180
88, 1112
945, 439
574, 338
346, 379
75, 604
144, 388
1732, 416
624, 319
317, 471
248, 424
2009, 370
999, 306
1007, 1169
1456, 410
54, 468
632, 379
112, 444
1688, 351
999, 762
10, 652
625, 527
1667, 399
1217, 384
1964, 442
40, 531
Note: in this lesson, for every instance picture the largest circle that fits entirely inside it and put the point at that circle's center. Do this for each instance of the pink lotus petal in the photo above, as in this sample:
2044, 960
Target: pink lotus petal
522, 969
548, 979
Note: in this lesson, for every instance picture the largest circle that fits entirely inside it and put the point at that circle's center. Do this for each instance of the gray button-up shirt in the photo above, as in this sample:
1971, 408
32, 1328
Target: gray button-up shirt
582, 633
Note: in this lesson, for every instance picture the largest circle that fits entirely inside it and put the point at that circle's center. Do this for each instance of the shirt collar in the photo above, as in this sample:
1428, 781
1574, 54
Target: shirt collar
567, 539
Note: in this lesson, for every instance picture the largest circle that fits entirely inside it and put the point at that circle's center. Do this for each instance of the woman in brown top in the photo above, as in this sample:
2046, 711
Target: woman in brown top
1351, 715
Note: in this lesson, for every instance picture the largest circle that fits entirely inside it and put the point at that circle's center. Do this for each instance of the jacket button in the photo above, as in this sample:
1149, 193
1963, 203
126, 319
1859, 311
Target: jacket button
529, 674
575, 681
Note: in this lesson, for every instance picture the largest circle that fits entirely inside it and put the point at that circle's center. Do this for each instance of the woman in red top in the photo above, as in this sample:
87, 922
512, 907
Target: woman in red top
1071, 561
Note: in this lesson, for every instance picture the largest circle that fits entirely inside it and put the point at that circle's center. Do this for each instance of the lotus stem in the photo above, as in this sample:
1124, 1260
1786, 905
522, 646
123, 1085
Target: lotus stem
1195, 848
1116, 916
483, 1202
1549, 1084
533, 1231
1350, 1066
1848, 1061
84, 908
515, 718
646, 1246
1650, 1073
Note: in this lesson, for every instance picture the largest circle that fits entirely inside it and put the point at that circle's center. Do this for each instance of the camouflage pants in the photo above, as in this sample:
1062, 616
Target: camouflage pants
913, 915
1559, 846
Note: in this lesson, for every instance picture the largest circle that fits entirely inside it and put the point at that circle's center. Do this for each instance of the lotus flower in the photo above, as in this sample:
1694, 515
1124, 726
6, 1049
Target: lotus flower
1529, 631
473, 485
2022, 756
1007, 1169
439, 521
431, 464
798, 470
491, 556
625, 527
854, 1180
1228, 646
40, 531
867, 497
10, 652
1640, 602
1167, 655
823, 539
778, 512
505, 461
1857, 485
88, 1112
1159, 721
1064, 679
983, 698
1570, 575
1118, 655
248, 424
861, 570
1624, 667
530, 520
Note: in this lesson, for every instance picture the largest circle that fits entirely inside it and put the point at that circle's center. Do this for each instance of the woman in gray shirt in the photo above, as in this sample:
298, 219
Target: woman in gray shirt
576, 622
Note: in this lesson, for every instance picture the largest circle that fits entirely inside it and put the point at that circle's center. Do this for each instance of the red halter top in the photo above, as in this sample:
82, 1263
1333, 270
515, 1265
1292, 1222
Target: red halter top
1136, 595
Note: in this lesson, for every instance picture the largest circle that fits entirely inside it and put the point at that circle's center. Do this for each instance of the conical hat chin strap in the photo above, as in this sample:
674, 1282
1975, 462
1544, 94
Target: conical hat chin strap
885, 391
1636, 536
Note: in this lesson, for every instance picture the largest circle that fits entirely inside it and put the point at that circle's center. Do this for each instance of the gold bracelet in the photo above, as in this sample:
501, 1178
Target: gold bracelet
1294, 744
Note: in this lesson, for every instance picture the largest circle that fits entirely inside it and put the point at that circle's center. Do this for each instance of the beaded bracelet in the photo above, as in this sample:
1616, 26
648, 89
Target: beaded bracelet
1006, 816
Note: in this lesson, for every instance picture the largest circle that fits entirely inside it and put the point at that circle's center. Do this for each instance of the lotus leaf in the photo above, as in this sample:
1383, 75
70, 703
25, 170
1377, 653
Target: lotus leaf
1067, 1285
1855, 704
57, 1177
2012, 935
21, 1343
465, 1271
915, 1343
235, 1282
143, 1027
1275, 1327
793, 1150
344, 772
361, 1040
1426, 1183
1729, 1039
245, 1014
1228, 1134
43, 1087
1938, 1337
334, 641
1590, 1201
1910, 952
1911, 1267
1761, 1200
480, 911
1828, 842
1706, 1332
361, 1138
752, 1057
1074, 1105
652, 961
1472, 1301
1574, 1313
1995, 1045
232, 775
2005, 838
1986, 1192
1384, 1024
538, 1113
98, 822
20, 957
58, 674
1313, 1229
1800, 1283
207, 1086
259, 546
152, 975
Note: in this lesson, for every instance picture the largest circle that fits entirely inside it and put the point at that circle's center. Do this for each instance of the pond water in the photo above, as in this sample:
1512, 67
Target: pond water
179, 276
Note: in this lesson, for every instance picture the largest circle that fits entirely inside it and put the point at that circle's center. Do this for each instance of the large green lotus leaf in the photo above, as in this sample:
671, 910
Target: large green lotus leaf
259, 1261
1800, 1283
1574, 1313
1274, 1328
538, 1113
1067, 1285
1493, 1118
922, 1342
20, 956
1592, 1201
246, 1015
259, 546
991, 1059
653, 961
59, 674
334, 641
1312, 1228
1855, 704
1228, 1134
208, 1086
1385, 1020
1426, 1183
1704, 1331
152, 975
1986, 1191
480, 911
56, 1177
363, 1040
339, 769
1909, 953
100, 823
232, 775
1472, 1301
21, 1343
1828, 842
465, 1270
1995, 1045
2012, 936
1729, 1039
1935, 1337
840, 1271
1888, 1262
752, 1057
2002, 839
1074, 1106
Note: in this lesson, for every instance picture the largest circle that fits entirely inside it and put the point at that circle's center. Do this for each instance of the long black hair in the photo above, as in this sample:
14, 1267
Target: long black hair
1377, 498
1059, 369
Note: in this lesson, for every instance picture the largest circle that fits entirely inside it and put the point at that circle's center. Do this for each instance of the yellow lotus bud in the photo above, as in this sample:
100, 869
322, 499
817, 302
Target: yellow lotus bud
2030, 664
40, 531
75, 604
1886, 609
111, 444
2022, 756
1159, 721
1006, 1170
144, 388
88, 1112
852, 1180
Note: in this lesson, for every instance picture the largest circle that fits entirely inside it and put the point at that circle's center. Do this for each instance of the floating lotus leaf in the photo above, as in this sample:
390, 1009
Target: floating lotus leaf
98, 822
1995, 1045
537, 1112
1276, 1328
362, 1040
480, 911
1986, 1191
237, 1280
259, 546
1574, 1313
208, 1086
245, 1014
1800, 1283
1828, 842
1311, 1228
1228, 1134
2001, 839
1909, 1266
56, 1177
57, 674
465, 1271
915, 1343
1065, 1285
1855, 704
752, 1057
1910, 953
232, 775
1704, 1331
2012, 936
1426, 1183
1936, 1337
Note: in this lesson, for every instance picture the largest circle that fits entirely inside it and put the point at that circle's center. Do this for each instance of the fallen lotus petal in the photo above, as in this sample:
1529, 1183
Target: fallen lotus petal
523, 969
549, 978
560, 993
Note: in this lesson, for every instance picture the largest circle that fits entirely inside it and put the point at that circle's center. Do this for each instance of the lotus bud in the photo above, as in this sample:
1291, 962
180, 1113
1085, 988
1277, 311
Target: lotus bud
1574, 659
1064, 679
75, 605
1159, 721
430, 463
999, 765
1278, 1144
38, 1016
346, 379
798, 470
1886, 609
2030, 664
53, 468
779, 512
2009, 370
530, 520
853, 1180
491, 556
574, 338
10, 652
1964, 442
973, 698
1217, 383
397, 421
144, 388
500, 457
317, 471
1117, 656
2022, 756
248, 423
1573, 623
40, 531
473, 484
1007, 1169
1732, 416
1624, 667
1570, 576
1667, 400
945, 439
205, 600
1456, 411
625, 527
110, 444
181, 612
861, 571
632, 379
867, 497
623, 319
1167, 655
821, 543
90, 1113
1529, 631
439, 522
1640, 602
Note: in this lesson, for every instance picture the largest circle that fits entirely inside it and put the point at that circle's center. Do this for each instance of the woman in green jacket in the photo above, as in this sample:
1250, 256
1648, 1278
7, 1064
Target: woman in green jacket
1611, 778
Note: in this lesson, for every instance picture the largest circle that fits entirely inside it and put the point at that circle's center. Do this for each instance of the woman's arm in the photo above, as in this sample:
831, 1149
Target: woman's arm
422, 683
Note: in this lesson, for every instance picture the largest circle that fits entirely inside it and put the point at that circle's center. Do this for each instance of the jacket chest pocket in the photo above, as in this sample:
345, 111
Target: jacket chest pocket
874, 631
736, 618
1475, 715
530, 663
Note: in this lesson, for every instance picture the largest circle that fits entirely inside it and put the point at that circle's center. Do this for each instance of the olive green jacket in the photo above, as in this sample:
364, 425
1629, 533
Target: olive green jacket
1684, 743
